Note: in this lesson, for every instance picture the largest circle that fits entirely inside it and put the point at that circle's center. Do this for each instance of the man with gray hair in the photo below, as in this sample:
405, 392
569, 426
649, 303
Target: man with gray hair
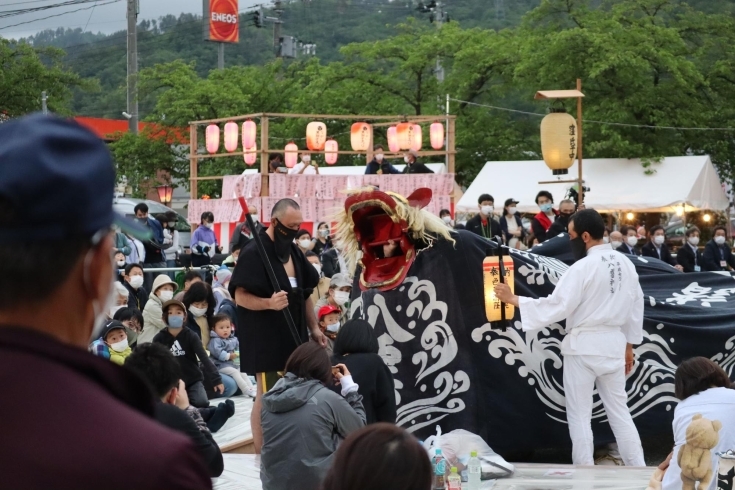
566, 209
265, 339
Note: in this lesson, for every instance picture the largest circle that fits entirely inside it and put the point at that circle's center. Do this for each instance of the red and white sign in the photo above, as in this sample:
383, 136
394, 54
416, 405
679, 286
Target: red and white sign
224, 21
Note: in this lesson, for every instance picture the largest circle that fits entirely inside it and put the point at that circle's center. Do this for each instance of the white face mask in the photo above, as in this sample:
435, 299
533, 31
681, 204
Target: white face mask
100, 310
487, 210
605, 239
306, 159
512, 210
379, 157
616, 245
318, 268
405, 159
166, 295
324, 233
447, 219
171, 224
255, 218
209, 225
341, 297
659, 239
136, 282
115, 309
197, 312
694, 240
121, 263
720, 240
304, 243
632, 241
333, 328
119, 346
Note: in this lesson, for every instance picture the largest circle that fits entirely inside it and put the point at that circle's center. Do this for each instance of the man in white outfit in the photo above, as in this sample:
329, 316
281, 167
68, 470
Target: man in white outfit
602, 302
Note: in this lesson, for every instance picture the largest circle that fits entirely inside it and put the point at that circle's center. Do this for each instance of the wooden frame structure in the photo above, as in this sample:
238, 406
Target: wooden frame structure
449, 151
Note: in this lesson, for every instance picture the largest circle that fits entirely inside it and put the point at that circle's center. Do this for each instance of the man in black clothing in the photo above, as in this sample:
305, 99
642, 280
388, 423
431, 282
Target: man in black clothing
630, 240
379, 165
242, 234
275, 164
155, 364
717, 255
657, 248
483, 223
330, 262
154, 258
566, 210
413, 166
133, 282
689, 257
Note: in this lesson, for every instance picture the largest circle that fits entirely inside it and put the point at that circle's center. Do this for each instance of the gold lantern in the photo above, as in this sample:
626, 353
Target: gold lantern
405, 135
291, 154
231, 136
330, 151
360, 136
316, 135
249, 132
491, 277
212, 139
416, 138
436, 132
251, 155
393, 145
559, 141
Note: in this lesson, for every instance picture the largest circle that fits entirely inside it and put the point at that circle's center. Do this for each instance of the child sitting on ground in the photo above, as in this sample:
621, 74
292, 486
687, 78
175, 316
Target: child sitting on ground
112, 344
329, 323
224, 348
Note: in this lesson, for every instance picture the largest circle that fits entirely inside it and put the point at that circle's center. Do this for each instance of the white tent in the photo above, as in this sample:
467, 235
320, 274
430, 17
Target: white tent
616, 184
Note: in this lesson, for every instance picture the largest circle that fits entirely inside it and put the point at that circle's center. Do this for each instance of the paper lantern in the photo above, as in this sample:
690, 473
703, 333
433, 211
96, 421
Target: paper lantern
416, 138
405, 135
212, 138
436, 133
361, 135
249, 132
251, 155
491, 277
559, 141
231, 136
393, 140
316, 136
330, 151
291, 155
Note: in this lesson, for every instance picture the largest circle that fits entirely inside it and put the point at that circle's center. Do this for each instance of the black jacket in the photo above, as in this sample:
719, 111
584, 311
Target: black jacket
714, 254
417, 168
504, 227
686, 258
188, 350
330, 262
474, 225
174, 418
559, 226
624, 249
375, 385
649, 250
136, 299
385, 167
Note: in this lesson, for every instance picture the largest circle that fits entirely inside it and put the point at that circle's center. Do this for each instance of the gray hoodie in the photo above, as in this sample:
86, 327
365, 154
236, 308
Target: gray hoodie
303, 423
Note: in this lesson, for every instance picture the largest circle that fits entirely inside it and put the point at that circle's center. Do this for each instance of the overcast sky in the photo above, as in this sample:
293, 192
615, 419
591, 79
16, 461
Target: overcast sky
102, 18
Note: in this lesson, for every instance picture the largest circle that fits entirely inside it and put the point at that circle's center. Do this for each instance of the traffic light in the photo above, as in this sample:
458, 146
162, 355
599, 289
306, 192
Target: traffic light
258, 19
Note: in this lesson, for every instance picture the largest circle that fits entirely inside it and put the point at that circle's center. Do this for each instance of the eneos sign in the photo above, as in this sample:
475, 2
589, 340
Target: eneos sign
224, 23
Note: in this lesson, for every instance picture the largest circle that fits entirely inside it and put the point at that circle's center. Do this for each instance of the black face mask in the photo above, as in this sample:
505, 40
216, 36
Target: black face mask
284, 239
579, 249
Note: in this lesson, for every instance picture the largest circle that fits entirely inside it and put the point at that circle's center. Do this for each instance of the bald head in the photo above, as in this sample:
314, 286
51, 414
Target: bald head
282, 207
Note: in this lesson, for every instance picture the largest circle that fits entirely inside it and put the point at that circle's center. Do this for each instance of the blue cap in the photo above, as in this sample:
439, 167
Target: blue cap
57, 181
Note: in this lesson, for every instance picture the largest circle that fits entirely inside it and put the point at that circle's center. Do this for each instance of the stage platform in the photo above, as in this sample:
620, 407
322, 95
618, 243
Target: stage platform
236, 435
242, 472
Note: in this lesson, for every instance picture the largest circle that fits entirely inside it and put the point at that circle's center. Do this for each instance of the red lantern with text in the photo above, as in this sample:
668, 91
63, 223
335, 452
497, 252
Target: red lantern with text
251, 155
231, 136
212, 138
330, 151
437, 135
249, 132
416, 138
393, 145
405, 135
316, 136
360, 136
291, 155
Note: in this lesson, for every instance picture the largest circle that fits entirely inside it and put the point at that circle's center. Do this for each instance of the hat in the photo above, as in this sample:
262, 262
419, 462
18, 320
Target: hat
223, 275
326, 310
110, 326
510, 201
172, 302
49, 167
413, 153
340, 280
162, 280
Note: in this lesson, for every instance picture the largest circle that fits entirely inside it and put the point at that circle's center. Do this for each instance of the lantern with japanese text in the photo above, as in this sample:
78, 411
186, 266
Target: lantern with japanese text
316, 136
437, 135
405, 135
231, 136
393, 145
249, 132
360, 136
291, 154
416, 138
251, 155
330, 151
212, 139
559, 141
491, 272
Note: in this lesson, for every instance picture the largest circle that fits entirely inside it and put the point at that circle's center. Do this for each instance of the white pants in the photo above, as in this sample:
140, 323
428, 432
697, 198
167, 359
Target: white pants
242, 380
581, 374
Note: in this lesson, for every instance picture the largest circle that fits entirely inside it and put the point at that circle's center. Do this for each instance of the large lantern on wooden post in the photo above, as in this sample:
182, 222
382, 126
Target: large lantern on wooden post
360, 136
330, 151
316, 135
212, 138
393, 145
416, 138
291, 154
437, 135
559, 141
405, 135
251, 155
249, 132
231, 136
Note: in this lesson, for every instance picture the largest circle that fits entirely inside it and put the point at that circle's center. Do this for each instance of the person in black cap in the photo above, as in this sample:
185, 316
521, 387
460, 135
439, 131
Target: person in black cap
113, 343
512, 225
49, 166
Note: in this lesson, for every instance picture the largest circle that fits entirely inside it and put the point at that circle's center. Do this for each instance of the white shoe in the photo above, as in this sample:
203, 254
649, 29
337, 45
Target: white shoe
251, 393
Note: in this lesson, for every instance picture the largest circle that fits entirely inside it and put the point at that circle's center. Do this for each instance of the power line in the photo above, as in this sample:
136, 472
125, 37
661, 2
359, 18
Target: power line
57, 15
13, 13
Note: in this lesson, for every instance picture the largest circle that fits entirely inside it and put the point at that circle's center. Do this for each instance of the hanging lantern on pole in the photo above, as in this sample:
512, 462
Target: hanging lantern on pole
291, 155
416, 138
251, 155
316, 135
231, 136
559, 141
360, 136
393, 145
437, 135
330, 151
249, 132
405, 135
212, 138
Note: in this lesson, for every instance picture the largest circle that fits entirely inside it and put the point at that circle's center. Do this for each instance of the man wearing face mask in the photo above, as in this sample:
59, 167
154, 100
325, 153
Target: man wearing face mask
598, 346
541, 223
154, 257
305, 167
446, 217
689, 257
717, 255
483, 223
616, 240
657, 248
265, 339
275, 164
630, 238
379, 165
48, 166
566, 210
413, 166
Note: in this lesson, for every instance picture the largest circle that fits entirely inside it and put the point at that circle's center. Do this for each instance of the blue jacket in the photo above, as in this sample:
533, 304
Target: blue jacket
373, 167
156, 229
122, 244
713, 254
220, 349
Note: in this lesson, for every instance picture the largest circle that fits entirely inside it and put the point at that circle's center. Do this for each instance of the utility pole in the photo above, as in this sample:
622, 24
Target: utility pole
277, 29
44, 107
439, 22
133, 65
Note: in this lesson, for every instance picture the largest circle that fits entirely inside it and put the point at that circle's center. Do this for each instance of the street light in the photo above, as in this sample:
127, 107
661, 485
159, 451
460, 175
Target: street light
630, 216
165, 193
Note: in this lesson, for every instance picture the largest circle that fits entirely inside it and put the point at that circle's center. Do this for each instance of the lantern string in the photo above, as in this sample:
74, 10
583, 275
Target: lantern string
607, 123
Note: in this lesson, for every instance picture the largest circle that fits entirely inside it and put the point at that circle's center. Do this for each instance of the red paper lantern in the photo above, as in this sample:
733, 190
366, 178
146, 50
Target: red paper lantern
291, 155
393, 145
231, 136
316, 135
405, 135
249, 132
212, 138
251, 155
330, 151
416, 138
437, 135
361, 135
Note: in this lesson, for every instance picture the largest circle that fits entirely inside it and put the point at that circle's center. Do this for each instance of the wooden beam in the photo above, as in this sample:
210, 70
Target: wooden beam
193, 160
451, 148
354, 117
264, 163
340, 152
580, 191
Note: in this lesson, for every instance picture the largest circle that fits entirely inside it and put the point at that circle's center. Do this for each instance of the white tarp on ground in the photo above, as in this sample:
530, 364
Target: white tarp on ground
616, 184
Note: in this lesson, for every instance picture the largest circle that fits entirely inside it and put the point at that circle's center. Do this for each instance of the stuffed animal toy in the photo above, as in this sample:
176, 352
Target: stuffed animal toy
695, 458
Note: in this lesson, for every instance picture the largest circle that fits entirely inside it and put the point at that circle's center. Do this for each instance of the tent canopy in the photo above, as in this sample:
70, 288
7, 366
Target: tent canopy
616, 184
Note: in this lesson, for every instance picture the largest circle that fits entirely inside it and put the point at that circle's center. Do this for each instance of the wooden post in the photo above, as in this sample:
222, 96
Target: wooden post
193, 161
451, 145
264, 163
579, 143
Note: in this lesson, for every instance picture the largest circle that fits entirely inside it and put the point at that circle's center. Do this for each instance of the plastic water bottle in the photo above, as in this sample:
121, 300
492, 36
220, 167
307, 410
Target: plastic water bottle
440, 470
454, 481
236, 360
474, 469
